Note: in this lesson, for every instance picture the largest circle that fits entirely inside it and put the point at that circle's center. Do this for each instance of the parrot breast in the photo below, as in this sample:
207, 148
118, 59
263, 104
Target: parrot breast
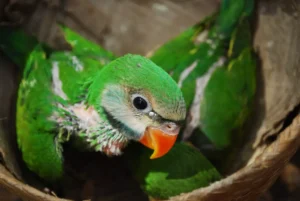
84, 122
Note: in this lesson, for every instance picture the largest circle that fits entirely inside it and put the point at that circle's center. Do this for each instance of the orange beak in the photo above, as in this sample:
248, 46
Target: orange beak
161, 140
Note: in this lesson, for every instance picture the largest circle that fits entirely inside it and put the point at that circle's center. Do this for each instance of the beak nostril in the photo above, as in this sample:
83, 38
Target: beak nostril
170, 126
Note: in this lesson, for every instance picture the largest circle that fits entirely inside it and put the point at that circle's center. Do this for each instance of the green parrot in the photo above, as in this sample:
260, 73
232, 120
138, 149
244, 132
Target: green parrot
211, 63
97, 102
76, 94
214, 66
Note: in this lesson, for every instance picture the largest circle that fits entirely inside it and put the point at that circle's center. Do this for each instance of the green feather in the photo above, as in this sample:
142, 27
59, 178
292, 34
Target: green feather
231, 12
38, 136
235, 87
181, 170
180, 48
38, 144
83, 47
226, 96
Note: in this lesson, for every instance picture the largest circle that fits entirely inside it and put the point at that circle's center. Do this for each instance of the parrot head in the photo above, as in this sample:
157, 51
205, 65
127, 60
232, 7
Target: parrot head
140, 102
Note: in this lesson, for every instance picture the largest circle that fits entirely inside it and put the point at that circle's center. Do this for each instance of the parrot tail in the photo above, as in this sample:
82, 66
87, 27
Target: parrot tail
16, 44
230, 14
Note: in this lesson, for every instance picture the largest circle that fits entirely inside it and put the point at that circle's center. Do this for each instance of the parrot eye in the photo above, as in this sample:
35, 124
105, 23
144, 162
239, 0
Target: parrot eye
140, 103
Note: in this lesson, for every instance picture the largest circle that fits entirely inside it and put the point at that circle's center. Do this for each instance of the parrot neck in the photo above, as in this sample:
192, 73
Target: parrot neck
95, 131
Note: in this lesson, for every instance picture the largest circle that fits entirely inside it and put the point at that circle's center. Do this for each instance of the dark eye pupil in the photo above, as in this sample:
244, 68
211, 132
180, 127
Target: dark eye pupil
140, 103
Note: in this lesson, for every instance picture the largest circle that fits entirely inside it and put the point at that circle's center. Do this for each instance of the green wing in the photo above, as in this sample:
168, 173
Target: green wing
229, 93
83, 47
213, 64
77, 66
40, 148
174, 54
181, 170
38, 134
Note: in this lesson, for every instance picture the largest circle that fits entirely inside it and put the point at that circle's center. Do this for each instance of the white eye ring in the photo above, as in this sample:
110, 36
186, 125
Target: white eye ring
140, 103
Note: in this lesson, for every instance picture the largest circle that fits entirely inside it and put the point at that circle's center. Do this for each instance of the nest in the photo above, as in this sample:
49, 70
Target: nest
273, 130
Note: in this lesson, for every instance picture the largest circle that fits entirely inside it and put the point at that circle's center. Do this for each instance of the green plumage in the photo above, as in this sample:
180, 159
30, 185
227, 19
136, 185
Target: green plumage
183, 169
39, 142
226, 96
40, 138
33, 138
220, 85
213, 58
